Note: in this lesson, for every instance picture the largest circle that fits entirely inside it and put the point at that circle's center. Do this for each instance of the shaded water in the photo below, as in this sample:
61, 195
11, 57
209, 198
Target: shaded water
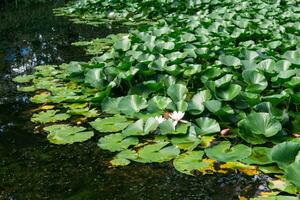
31, 168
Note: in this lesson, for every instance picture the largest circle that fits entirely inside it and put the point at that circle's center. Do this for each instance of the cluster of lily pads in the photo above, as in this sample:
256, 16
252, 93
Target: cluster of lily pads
213, 85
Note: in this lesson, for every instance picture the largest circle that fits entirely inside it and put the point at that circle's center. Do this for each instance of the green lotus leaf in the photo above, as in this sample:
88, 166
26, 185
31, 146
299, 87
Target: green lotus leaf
123, 44
259, 156
224, 152
111, 105
230, 60
261, 124
74, 68
251, 98
23, 78
189, 161
229, 93
187, 37
84, 111
123, 158
167, 127
255, 80
49, 116
110, 124
158, 152
196, 106
246, 134
117, 142
158, 103
283, 185
292, 56
187, 142
95, 78
267, 66
181, 106
141, 128
274, 44
177, 92
132, 104
276, 99
26, 89
292, 173
249, 55
294, 82
65, 134
285, 153
207, 126
213, 106
224, 81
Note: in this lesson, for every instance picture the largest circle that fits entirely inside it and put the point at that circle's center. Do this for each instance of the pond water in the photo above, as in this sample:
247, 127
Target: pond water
31, 168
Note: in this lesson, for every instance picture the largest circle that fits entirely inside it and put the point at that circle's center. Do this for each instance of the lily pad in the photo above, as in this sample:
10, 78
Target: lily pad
110, 124
117, 142
207, 126
224, 152
49, 116
158, 152
65, 134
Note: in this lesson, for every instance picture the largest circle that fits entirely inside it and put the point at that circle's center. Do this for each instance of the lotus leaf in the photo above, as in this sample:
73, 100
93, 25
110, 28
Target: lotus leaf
285, 153
177, 92
196, 106
259, 156
117, 142
158, 152
141, 128
65, 134
132, 104
110, 124
168, 127
23, 78
255, 80
224, 152
189, 161
256, 126
49, 116
206, 126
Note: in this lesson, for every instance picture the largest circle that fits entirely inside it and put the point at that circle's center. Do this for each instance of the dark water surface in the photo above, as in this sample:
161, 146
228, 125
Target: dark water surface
31, 168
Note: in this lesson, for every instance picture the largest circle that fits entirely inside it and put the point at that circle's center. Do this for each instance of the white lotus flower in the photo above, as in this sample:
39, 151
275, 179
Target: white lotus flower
177, 117
160, 119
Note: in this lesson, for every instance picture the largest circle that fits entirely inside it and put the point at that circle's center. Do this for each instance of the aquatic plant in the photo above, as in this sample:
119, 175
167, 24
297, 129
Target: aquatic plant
211, 85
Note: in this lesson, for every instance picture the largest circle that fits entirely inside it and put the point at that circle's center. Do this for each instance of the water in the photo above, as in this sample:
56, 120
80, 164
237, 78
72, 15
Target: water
31, 168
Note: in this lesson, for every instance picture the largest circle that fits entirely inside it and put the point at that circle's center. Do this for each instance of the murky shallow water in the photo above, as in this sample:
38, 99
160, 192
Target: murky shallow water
31, 168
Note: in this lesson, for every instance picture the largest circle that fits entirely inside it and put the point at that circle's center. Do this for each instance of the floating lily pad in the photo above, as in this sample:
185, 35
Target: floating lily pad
224, 152
65, 134
141, 128
117, 142
207, 126
158, 152
110, 124
260, 156
189, 161
49, 116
